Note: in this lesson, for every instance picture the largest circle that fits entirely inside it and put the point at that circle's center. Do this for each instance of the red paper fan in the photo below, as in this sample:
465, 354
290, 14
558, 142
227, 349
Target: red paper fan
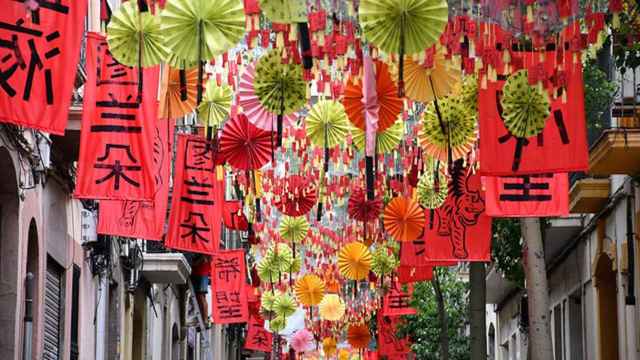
361, 209
244, 146
296, 195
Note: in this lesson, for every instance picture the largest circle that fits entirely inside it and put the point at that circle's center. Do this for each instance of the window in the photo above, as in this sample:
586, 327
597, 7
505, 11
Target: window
53, 311
75, 302
557, 332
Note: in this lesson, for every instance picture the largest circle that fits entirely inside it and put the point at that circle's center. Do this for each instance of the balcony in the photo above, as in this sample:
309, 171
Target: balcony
558, 232
588, 195
617, 151
165, 268
498, 287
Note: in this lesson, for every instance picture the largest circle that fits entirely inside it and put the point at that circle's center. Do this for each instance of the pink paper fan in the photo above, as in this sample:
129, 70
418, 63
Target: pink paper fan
257, 114
302, 341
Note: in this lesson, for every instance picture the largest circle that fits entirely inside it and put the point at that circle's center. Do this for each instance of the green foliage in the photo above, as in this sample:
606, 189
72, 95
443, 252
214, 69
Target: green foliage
598, 94
424, 328
506, 250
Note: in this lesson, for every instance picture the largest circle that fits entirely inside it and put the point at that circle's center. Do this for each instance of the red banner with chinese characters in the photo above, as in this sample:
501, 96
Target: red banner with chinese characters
413, 267
388, 342
562, 145
411, 274
258, 338
397, 302
528, 195
40, 48
115, 160
144, 219
229, 301
459, 230
195, 221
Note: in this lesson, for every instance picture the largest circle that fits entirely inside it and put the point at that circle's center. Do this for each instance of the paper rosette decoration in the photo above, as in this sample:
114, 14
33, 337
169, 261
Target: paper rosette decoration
277, 324
277, 260
387, 92
178, 97
331, 307
329, 346
403, 219
128, 30
296, 265
279, 87
327, 124
420, 22
354, 261
215, 105
284, 305
361, 209
302, 340
253, 108
383, 263
459, 131
294, 229
309, 290
268, 300
358, 336
469, 93
386, 141
244, 146
525, 108
425, 84
296, 195
198, 30
432, 192
284, 11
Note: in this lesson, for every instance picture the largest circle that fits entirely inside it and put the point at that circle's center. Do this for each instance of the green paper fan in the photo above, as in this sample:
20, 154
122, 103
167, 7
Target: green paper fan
128, 29
202, 27
525, 108
294, 228
268, 300
215, 105
432, 195
279, 87
382, 262
460, 129
386, 141
284, 305
284, 11
469, 93
267, 271
277, 324
327, 119
280, 257
296, 265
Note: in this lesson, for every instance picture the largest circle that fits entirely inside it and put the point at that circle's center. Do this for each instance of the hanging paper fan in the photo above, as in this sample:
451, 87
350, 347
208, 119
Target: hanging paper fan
178, 92
244, 146
309, 290
280, 256
296, 195
268, 300
284, 11
294, 229
302, 341
267, 271
284, 305
329, 346
215, 105
387, 93
432, 192
198, 30
277, 324
469, 93
280, 87
354, 261
525, 108
331, 307
258, 114
383, 262
295, 266
456, 129
130, 29
386, 141
327, 124
361, 209
403, 219
358, 336
426, 82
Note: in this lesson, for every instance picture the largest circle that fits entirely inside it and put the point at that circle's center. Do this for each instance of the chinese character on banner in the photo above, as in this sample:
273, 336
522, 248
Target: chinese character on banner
258, 338
388, 342
397, 302
143, 219
459, 230
562, 145
413, 267
195, 222
39, 52
228, 276
115, 160
528, 195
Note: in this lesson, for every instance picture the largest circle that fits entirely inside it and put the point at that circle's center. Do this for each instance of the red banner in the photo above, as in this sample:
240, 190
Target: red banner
195, 222
388, 342
258, 338
143, 219
117, 126
561, 146
397, 302
229, 277
527, 196
459, 230
39, 51
411, 274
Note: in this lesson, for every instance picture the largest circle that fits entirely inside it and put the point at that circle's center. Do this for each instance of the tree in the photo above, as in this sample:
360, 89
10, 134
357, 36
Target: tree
477, 314
438, 329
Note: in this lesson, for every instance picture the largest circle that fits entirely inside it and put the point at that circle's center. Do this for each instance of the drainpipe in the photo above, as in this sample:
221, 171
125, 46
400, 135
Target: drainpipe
630, 299
27, 345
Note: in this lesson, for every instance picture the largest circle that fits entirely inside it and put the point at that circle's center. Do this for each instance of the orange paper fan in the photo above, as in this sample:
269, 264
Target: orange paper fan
403, 219
309, 290
178, 97
358, 336
354, 261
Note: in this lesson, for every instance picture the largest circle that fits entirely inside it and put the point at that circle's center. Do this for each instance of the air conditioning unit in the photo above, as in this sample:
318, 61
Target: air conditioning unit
88, 228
